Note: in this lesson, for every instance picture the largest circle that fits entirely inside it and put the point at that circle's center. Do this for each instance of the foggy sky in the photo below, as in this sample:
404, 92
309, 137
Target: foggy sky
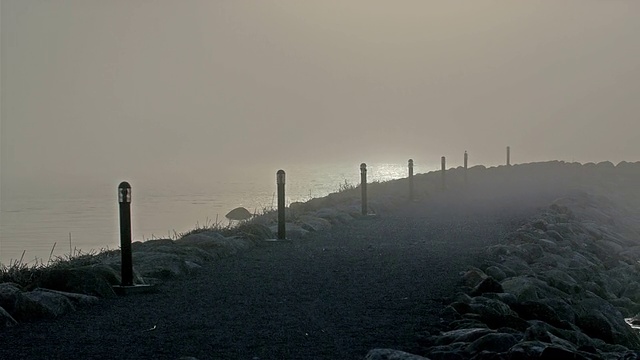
125, 89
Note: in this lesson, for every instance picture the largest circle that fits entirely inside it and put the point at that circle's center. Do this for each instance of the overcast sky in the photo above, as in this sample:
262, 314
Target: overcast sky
119, 89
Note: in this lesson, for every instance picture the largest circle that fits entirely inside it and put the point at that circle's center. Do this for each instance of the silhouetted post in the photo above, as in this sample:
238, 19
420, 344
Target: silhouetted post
363, 185
280, 180
410, 179
444, 165
124, 199
466, 162
508, 155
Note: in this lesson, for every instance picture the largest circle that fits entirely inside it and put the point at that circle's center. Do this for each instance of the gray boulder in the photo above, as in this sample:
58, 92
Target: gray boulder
488, 284
78, 300
314, 223
494, 342
54, 304
462, 335
390, 354
19, 306
495, 272
526, 350
599, 319
159, 265
6, 320
527, 288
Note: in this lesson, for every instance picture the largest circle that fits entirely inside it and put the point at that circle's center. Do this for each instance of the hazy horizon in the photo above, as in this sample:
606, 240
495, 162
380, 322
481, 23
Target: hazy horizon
188, 91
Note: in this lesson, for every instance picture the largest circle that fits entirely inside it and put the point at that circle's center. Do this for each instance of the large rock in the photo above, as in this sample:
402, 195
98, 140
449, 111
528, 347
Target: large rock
314, 223
239, 214
561, 281
488, 284
159, 265
537, 310
54, 304
462, 335
494, 342
19, 306
78, 300
6, 320
390, 354
599, 319
526, 288
526, 350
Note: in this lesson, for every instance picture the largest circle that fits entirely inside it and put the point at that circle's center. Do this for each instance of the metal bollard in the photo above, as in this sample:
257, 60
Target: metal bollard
280, 181
444, 165
363, 185
466, 162
410, 179
508, 155
124, 199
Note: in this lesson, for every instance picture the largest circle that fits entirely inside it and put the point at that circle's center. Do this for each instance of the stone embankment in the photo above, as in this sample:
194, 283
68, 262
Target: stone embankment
566, 285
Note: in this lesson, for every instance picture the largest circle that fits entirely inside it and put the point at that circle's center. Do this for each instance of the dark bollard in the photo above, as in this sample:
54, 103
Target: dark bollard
466, 162
280, 180
508, 155
363, 184
444, 165
124, 199
410, 179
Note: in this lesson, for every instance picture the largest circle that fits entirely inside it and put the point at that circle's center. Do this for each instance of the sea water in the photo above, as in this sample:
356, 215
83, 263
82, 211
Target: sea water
43, 227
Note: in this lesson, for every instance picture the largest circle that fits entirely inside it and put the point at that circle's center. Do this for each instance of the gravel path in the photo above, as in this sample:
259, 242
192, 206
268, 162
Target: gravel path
374, 282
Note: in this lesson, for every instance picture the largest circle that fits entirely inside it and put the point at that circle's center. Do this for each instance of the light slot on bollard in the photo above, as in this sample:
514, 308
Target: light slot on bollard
280, 181
126, 260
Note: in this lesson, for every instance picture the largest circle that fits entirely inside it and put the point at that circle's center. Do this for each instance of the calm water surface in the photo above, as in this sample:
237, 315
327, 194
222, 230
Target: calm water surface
38, 225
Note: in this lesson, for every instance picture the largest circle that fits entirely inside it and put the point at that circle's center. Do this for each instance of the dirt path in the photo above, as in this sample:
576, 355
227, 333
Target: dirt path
370, 283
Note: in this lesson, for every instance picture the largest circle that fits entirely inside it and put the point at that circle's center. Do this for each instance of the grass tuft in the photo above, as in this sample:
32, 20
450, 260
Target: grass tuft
25, 275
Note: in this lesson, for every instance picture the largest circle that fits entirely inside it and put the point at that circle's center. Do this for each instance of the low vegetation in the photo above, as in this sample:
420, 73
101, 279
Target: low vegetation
25, 273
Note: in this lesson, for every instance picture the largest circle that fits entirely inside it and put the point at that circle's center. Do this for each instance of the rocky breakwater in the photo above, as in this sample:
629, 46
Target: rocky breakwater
566, 285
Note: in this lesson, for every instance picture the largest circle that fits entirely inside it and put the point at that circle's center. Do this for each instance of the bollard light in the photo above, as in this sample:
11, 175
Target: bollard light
466, 161
126, 264
443, 165
410, 179
124, 200
280, 181
363, 185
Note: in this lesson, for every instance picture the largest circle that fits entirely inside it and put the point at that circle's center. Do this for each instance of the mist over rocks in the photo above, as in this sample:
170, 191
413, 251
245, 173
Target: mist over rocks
561, 285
